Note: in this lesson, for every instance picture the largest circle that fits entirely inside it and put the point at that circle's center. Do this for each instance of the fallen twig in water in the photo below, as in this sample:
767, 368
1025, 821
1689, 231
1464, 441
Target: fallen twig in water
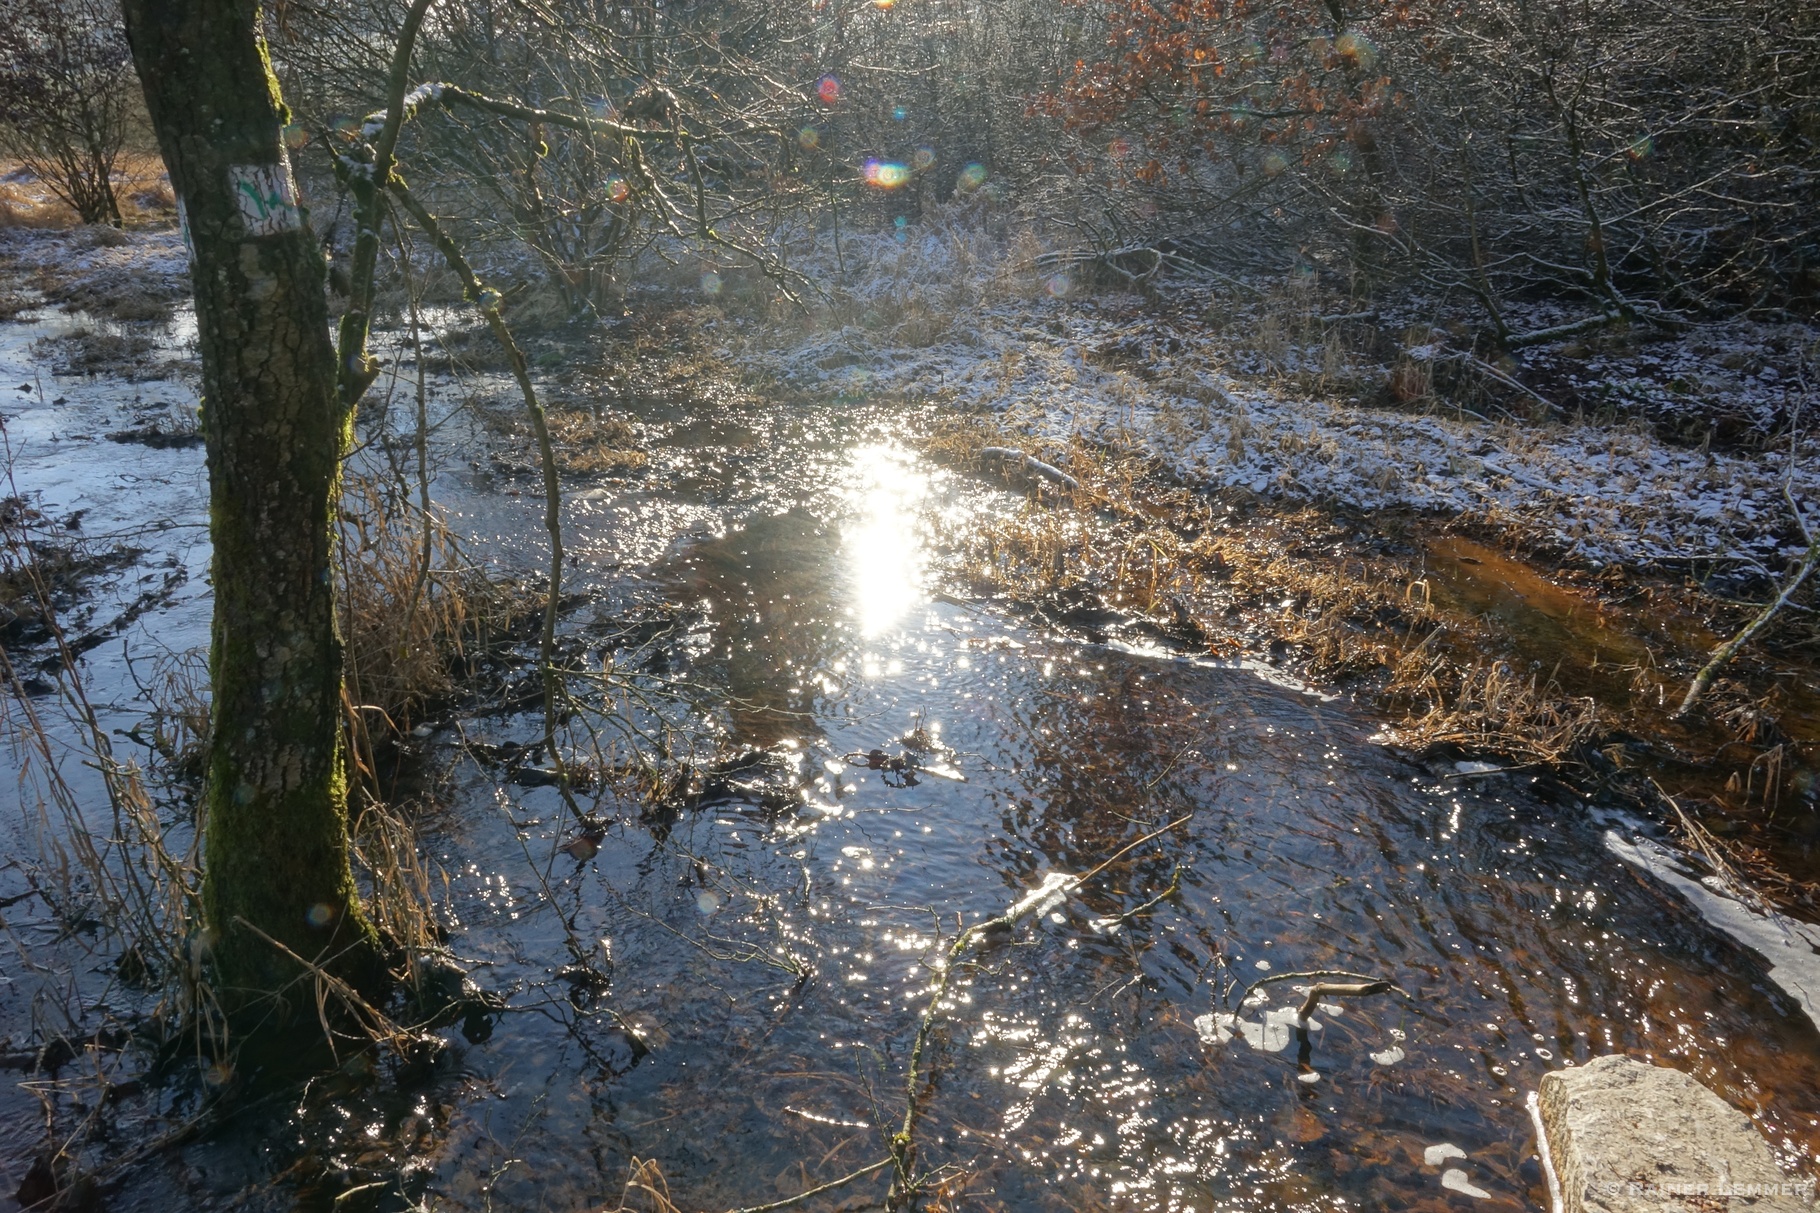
1725, 652
1174, 887
1335, 989
787, 1201
1357, 985
1029, 463
903, 1144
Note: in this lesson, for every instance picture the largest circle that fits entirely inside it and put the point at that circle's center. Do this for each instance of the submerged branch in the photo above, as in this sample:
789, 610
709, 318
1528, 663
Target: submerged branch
903, 1143
832, 1184
1357, 985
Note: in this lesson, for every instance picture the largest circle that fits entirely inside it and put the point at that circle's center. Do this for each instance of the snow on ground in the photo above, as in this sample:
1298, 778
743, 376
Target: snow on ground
950, 311
940, 315
98, 254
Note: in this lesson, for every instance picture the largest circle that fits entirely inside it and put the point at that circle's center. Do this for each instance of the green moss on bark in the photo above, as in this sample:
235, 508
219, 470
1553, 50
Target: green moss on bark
276, 827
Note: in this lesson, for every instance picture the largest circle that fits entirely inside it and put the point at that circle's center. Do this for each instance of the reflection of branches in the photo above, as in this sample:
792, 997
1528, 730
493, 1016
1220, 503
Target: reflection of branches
489, 301
731, 951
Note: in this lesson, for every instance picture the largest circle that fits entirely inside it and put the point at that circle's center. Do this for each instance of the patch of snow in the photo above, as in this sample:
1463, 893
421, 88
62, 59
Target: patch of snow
1454, 1180
1435, 1155
1791, 947
948, 314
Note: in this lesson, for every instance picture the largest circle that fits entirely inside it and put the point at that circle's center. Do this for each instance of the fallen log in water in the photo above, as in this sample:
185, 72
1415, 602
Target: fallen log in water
1010, 457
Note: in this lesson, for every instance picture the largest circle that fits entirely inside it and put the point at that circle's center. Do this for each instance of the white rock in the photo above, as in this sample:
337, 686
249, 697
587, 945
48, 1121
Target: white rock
1627, 1137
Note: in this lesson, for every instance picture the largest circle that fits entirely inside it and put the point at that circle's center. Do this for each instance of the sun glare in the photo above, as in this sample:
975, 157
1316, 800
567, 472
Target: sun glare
883, 548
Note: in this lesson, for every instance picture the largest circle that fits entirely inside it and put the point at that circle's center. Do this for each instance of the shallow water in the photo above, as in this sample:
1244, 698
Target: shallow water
772, 946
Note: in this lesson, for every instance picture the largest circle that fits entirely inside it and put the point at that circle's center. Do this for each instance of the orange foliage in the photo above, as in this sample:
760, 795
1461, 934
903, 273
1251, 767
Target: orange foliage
1211, 75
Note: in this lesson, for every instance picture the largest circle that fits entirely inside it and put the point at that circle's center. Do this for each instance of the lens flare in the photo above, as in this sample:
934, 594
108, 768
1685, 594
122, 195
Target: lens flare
617, 189
886, 174
922, 159
808, 138
710, 283
899, 113
320, 915
828, 89
1642, 149
1275, 163
971, 178
1058, 285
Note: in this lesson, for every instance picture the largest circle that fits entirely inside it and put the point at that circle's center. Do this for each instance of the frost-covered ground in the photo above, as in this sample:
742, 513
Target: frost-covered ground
1226, 392
113, 276
947, 314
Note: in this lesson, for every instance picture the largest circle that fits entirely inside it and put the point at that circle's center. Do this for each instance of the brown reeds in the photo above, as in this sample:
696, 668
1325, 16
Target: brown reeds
119, 870
412, 607
1146, 545
120, 878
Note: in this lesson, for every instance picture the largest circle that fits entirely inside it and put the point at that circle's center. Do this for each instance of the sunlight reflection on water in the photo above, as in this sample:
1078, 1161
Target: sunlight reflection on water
882, 545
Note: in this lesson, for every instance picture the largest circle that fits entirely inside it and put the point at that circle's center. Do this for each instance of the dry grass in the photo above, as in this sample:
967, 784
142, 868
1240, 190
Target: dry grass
412, 605
141, 185
645, 1190
124, 293
1228, 573
120, 875
27, 206
588, 444
178, 692
397, 891
97, 351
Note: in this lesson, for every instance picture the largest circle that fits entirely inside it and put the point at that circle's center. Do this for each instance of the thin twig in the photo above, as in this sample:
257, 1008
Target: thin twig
785, 1203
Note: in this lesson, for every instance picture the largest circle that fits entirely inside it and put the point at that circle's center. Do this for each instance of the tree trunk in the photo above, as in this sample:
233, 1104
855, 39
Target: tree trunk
276, 847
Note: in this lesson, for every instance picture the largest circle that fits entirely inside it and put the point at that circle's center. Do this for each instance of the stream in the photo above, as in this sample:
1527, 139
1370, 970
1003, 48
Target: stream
772, 943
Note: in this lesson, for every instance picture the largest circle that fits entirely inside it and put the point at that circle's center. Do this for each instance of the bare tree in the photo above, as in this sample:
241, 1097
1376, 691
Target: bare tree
1657, 162
67, 98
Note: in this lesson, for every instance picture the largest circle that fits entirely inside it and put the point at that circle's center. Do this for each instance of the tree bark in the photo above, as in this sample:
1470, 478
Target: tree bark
276, 847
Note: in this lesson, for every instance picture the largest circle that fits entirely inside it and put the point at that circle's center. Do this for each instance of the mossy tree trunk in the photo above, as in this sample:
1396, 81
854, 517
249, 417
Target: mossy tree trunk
276, 852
